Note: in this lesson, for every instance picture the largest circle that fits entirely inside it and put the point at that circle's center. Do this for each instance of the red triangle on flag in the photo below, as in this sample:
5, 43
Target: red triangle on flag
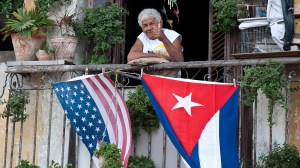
206, 99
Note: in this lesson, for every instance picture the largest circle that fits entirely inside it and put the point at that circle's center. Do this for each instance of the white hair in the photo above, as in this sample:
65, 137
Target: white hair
149, 12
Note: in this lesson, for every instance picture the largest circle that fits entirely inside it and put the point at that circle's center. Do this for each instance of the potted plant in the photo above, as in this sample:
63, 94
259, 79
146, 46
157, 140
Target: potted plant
103, 28
44, 53
64, 41
27, 30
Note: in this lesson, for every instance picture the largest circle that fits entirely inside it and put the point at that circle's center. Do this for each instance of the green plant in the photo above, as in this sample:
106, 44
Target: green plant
26, 23
140, 162
25, 164
99, 60
225, 13
111, 153
102, 27
46, 5
46, 48
141, 112
269, 80
57, 165
16, 105
285, 156
8, 6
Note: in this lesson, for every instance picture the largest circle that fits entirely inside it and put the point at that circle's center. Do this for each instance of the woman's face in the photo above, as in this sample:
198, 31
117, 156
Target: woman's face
148, 25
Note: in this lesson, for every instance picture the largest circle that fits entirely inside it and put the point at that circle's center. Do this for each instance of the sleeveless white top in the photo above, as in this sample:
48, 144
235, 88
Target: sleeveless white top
156, 46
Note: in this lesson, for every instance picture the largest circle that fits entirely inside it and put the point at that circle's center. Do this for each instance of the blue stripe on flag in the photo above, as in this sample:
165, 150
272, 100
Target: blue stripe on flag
228, 132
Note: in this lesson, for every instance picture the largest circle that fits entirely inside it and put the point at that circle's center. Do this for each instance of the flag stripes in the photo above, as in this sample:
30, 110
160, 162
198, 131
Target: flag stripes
95, 96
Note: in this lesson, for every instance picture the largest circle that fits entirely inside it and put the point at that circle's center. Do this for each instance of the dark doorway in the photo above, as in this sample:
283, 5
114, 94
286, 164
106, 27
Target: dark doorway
7, 44
192, 25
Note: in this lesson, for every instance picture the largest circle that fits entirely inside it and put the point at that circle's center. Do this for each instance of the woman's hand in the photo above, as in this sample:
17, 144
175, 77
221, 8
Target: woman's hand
158, 32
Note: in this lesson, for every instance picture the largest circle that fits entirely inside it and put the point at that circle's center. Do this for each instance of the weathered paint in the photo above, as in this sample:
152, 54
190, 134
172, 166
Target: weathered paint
294, 108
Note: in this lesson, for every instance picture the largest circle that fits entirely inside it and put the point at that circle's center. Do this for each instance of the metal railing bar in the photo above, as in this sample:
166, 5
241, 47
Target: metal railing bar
149, 144
12, 145
49, 127
164, 149
21, 142
6, 142
35, 125
63, 140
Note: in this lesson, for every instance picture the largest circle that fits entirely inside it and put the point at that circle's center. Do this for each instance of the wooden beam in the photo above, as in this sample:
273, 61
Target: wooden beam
267, 54
125, 67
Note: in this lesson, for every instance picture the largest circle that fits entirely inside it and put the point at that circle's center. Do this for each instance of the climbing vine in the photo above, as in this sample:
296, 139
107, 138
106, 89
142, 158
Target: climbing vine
269, 80
141, 112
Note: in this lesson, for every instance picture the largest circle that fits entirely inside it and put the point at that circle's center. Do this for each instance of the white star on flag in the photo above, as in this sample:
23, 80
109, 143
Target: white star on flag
186, 103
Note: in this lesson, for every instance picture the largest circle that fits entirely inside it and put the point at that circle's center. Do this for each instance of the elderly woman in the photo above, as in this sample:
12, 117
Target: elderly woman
156, 41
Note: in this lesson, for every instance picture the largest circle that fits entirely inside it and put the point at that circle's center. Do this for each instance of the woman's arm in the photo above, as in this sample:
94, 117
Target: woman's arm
173, 49
136, 51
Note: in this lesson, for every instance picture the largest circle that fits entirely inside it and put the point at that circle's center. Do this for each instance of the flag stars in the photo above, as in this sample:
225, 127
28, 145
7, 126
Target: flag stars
82, 110
186, 103
75, 94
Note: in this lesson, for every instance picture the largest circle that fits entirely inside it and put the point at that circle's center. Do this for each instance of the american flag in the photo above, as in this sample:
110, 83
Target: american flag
96, 111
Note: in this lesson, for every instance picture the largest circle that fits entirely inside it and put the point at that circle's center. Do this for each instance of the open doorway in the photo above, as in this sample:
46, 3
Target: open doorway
5, 45
192, 25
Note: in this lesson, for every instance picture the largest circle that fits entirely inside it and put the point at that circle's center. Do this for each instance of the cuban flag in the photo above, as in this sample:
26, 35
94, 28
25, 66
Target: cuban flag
199, 117
97, 112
